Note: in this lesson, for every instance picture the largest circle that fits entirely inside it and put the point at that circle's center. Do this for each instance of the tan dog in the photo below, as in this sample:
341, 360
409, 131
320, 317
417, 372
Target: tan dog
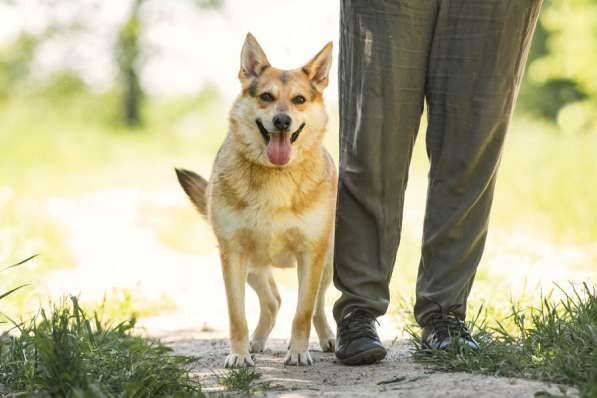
271, 200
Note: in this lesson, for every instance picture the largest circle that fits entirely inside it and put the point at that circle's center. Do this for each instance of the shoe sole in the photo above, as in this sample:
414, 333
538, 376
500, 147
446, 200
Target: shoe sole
365, 358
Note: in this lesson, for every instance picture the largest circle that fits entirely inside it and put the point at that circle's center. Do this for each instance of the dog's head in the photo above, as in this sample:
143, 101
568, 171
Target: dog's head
280, 113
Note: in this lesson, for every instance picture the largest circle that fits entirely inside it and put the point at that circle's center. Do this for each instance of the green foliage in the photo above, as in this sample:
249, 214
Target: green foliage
62, 86
546, 100
63, 352
15, 60
209, 3
551, 342
561, 76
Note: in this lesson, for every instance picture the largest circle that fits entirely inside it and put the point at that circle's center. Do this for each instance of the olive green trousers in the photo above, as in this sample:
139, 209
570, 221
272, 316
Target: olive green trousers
466, 59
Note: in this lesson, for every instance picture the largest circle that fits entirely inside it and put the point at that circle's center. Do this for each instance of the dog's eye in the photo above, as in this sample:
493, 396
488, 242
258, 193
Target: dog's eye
299, 99
267, 97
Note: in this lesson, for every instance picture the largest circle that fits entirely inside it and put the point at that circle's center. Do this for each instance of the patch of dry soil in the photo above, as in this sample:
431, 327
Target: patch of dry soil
397, 376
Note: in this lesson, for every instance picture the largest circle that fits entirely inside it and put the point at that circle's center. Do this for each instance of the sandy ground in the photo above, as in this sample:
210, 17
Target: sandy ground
113, 238
397, 376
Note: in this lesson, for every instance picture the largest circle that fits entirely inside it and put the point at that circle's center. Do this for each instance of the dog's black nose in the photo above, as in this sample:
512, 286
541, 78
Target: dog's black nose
282, 121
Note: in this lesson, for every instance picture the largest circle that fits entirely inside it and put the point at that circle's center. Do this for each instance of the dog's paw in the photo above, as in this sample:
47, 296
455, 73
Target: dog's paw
328, 344
298, 358
239, 361
256, 345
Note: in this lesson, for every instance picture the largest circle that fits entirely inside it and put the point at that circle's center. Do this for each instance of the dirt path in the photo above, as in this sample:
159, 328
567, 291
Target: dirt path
397, 376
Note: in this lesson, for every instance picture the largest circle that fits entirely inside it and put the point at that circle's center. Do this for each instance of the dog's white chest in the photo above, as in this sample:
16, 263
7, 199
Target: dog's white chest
271, 237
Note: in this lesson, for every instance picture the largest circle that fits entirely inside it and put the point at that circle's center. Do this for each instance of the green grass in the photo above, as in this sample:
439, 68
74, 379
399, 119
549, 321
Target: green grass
64, 352
553, 342
242, 380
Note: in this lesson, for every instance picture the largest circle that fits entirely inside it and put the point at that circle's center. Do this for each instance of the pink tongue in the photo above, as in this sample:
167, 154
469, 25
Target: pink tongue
278, 148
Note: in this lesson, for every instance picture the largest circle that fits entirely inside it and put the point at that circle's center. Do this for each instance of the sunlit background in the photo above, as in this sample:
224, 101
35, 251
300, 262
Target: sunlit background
99, 100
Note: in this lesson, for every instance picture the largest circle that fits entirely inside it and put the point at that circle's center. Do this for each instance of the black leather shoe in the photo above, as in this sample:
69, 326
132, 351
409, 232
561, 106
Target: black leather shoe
441, 330
357, 342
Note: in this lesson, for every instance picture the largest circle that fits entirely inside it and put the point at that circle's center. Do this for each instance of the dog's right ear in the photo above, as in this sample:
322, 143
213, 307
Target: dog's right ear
252, 60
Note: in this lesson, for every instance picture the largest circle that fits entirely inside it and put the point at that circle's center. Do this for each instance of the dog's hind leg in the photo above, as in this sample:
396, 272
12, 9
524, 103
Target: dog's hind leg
327, 340
264, 285
234, 269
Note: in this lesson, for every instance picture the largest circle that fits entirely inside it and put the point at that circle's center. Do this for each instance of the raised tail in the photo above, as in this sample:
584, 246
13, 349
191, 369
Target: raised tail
195, 187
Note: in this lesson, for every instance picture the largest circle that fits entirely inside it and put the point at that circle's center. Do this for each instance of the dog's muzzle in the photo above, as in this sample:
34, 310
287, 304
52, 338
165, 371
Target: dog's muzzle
265, 134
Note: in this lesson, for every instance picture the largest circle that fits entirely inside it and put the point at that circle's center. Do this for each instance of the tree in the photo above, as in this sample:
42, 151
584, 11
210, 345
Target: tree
128, 51
562, 78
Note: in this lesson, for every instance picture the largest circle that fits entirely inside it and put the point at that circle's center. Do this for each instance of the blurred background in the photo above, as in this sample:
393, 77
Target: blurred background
99, 100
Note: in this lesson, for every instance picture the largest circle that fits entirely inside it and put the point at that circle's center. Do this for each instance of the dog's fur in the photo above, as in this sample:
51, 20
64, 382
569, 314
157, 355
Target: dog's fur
266, 215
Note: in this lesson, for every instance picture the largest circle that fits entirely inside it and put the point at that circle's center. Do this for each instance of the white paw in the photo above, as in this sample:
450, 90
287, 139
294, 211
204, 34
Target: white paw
239, 361
256, 345
328, 344
298, 358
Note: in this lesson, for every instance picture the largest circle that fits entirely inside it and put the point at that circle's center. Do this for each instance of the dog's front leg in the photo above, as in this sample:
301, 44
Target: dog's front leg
310, 266
234, 269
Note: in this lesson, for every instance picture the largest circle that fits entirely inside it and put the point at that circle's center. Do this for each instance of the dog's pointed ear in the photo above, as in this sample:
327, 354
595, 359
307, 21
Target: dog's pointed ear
252, 59
318, 68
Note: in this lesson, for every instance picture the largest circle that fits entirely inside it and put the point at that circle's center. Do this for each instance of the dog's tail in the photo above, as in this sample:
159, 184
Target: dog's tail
195, 187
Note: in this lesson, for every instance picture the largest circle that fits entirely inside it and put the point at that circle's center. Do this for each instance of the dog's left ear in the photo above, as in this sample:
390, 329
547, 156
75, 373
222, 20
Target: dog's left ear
318, 68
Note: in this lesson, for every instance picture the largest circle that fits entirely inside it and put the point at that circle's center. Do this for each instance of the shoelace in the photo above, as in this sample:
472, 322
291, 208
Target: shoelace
357, 324
446, 324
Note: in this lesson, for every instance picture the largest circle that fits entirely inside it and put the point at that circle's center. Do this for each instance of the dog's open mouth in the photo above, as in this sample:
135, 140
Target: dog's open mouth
278, 143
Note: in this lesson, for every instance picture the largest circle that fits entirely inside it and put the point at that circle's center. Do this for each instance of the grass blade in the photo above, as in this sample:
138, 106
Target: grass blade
20, 262
12, 291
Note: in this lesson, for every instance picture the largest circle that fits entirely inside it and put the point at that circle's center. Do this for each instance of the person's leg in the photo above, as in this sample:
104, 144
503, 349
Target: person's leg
384, 46
477, 60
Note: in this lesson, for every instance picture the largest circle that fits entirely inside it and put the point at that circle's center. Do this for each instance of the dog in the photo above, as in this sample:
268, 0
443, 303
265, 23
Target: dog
271, 201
